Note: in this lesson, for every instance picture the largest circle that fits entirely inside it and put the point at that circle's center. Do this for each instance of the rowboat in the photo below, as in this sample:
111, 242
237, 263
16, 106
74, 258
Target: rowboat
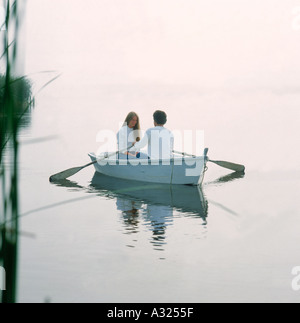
178, 170
184, 170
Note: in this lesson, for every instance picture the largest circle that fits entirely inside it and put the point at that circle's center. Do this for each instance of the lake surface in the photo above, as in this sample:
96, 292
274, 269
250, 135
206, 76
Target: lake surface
227, 71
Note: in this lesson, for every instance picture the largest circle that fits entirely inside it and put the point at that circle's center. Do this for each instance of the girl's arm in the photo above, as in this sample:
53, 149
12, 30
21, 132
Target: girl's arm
122, 139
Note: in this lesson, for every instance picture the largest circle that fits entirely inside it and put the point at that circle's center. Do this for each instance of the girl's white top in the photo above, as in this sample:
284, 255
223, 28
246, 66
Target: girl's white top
125, 138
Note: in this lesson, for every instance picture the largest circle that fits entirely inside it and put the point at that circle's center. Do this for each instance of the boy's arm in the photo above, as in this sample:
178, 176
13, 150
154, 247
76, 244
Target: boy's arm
172, 142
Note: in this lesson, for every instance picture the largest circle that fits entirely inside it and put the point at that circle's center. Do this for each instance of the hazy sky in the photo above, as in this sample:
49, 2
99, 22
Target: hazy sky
208, 43
191, 48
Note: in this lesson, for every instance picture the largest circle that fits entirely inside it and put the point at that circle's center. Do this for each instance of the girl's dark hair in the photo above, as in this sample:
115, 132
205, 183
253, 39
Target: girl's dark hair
160, 117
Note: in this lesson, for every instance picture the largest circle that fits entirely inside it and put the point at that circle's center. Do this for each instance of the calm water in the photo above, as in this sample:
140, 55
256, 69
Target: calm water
96, 239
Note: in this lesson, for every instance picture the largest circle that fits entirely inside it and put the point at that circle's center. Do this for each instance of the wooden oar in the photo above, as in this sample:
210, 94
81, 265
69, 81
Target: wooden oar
229, 165
225, 164
72, 171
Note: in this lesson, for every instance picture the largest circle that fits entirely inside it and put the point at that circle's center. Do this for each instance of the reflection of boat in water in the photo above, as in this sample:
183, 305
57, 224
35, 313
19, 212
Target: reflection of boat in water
151, 205
186, 199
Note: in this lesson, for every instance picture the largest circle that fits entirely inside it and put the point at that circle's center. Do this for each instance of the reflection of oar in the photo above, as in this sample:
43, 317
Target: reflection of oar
72, 171
225, 164
228, 178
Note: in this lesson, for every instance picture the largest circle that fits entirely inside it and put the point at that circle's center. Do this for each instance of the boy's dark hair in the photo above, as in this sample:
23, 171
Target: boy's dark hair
160, 117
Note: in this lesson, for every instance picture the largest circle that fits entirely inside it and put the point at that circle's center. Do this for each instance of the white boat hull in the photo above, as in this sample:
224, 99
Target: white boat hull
177, 170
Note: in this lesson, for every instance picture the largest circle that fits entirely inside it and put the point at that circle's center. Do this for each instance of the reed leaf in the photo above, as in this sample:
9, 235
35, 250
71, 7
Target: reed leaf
14, 95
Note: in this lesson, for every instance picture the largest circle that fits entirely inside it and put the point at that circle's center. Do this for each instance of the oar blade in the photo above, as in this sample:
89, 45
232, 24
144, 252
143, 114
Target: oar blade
65, 174
229, 165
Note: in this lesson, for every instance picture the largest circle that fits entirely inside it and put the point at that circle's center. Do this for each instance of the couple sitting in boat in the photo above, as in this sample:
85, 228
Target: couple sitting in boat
159, 139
